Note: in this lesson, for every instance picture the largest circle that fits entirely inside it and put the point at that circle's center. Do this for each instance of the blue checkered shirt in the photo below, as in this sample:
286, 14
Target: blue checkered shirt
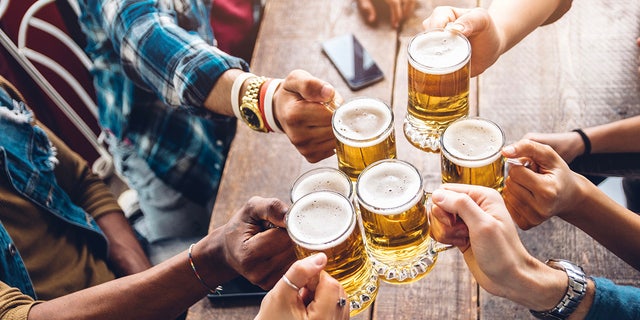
154, 65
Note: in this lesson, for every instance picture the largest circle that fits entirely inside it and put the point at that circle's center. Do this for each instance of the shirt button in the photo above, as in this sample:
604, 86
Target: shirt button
219, 143
11, 249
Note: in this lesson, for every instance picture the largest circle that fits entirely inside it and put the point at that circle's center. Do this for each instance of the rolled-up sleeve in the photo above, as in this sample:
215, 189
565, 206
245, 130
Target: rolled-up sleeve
158, 54
14, 305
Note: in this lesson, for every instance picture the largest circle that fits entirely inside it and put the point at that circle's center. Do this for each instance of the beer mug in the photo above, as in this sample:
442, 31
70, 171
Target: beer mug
396, 225
322, 179
471, 153
438, 85
325, 221
364, 134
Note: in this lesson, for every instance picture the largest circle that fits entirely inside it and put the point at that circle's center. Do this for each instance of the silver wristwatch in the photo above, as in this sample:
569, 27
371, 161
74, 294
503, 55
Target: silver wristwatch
575, 291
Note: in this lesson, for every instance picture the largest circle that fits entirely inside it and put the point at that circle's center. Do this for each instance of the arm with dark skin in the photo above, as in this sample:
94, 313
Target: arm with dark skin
242, 246
88, 191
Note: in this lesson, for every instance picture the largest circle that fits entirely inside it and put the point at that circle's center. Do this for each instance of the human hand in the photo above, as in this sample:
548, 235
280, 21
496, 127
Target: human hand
299, 109
399, 10
548, 188
478, 26
568, 145
253, 244
494, 254
317, 298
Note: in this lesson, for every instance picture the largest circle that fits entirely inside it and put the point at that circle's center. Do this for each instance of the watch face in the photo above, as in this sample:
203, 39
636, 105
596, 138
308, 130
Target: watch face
251, 117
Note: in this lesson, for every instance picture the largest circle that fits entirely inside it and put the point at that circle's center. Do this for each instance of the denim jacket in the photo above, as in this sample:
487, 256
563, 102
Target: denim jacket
27, 160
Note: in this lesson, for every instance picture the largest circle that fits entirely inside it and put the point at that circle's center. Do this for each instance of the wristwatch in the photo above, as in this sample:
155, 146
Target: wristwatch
249, 108
575, 291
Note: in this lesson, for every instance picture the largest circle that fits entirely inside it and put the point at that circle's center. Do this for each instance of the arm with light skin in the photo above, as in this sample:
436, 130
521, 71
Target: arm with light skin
493, 251
298, 108
399, 10
549, 188
612, 137
495, 30
185, 71
242, 246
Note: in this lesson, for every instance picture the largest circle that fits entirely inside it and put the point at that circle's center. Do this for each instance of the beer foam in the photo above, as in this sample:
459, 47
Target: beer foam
320, 220
319, 180
362, 122
389, 187
439, 52
472, 142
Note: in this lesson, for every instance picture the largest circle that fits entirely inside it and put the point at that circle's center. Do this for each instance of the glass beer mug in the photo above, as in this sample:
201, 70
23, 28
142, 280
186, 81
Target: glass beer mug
393, 211
364, 132
322, 179
325, 221
471, 153
438, 85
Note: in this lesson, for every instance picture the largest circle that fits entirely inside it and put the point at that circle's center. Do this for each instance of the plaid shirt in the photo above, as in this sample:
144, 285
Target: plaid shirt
154, 65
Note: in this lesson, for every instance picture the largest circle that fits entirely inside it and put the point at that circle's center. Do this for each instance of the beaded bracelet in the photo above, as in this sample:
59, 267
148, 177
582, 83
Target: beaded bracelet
585, 139
193, 267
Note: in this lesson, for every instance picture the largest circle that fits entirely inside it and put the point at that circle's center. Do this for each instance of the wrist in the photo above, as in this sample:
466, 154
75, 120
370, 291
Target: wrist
580, 199
540, 287
576, 288
586, 142
210, 259
239, 85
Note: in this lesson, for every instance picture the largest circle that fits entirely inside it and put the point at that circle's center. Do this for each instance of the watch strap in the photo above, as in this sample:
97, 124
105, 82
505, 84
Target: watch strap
249, 108
576, 289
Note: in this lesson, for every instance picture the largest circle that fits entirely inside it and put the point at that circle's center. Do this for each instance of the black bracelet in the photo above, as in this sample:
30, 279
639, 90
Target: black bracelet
585, 139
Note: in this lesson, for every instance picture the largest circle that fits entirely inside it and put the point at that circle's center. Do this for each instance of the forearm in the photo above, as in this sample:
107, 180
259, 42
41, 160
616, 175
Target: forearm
219, 99
609, 223
615, 137
515, 19
180, 66
541, 288
125, 253
162, 292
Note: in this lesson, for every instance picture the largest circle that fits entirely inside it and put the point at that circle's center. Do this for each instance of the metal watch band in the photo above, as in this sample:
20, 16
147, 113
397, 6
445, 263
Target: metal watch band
575, 291
249, 108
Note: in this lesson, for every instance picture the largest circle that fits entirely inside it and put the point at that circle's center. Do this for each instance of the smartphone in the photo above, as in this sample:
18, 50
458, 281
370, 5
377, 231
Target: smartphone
238, 288
353, 62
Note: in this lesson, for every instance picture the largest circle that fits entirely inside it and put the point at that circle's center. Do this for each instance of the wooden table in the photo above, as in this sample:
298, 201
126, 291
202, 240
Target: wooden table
578, 72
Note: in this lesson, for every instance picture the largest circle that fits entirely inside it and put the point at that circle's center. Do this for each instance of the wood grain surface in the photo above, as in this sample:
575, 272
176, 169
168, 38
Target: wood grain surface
578, 72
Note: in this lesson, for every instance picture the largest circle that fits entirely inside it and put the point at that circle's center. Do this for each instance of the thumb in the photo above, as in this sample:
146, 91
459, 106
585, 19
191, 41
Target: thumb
460, 204
308, 87
471, 21
541, 154
304, 271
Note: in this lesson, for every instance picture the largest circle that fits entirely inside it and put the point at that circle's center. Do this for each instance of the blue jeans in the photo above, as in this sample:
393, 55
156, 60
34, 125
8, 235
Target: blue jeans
167, 214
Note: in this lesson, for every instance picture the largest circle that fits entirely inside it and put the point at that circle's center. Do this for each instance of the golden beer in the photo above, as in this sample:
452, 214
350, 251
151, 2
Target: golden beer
364, 134
438, 85
471, 153
395, 221
322, 179
325, 221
